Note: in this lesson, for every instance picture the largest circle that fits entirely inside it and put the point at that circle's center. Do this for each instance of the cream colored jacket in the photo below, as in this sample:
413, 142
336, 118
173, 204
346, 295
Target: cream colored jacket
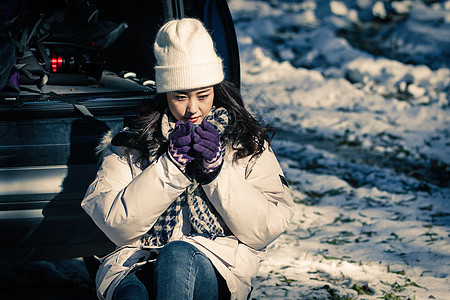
249, 194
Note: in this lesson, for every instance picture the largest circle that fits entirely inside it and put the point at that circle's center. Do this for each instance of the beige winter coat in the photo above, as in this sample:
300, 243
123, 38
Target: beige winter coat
251, 196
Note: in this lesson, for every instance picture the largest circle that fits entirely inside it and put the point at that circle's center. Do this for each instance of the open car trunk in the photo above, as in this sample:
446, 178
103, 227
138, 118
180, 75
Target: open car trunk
48, 137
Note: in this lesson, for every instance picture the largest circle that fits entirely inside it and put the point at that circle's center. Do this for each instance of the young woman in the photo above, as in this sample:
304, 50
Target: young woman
190, 192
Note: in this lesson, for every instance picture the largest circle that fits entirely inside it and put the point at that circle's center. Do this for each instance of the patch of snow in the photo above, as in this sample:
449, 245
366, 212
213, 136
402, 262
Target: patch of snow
373, 222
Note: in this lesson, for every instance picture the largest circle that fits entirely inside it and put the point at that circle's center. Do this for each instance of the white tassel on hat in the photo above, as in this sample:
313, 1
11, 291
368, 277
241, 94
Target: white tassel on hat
185, 57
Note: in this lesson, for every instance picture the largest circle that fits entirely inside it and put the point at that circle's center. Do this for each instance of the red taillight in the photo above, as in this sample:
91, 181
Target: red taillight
57, 63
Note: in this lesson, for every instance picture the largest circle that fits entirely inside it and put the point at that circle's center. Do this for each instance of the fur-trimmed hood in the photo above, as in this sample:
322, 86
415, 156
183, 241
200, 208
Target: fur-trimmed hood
105, 142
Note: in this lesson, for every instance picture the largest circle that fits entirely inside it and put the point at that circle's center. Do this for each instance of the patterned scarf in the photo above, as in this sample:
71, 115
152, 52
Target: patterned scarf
202, 215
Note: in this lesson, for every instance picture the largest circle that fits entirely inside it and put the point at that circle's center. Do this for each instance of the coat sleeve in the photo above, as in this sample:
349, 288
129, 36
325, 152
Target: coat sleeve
255, 204
125, 207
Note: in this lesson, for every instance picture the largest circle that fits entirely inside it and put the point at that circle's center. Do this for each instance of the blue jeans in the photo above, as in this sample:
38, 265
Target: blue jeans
180, 272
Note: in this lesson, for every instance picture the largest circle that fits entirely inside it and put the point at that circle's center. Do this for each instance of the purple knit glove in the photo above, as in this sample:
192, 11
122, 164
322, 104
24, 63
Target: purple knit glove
207, 146
180, 144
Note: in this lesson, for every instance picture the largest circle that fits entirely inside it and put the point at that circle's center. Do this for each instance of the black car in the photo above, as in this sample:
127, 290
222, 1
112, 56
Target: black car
48, 132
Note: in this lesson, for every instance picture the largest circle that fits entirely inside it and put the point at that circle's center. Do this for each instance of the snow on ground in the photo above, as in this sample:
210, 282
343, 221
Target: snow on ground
359, 93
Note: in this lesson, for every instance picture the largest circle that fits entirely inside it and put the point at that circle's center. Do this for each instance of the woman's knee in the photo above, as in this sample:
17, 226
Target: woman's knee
177, 251
184, 256
183, 267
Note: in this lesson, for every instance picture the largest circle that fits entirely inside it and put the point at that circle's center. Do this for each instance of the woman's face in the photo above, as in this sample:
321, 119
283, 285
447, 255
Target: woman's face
191, 105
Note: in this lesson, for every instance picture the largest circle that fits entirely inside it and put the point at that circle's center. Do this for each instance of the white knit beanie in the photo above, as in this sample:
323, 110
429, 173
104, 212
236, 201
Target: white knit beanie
185, 57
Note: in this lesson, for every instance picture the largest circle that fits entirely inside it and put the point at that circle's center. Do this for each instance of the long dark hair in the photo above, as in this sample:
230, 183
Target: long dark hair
244, 132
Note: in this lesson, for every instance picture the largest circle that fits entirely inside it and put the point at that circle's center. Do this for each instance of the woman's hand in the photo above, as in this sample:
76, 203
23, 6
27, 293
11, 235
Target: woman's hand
207, 146
180, 144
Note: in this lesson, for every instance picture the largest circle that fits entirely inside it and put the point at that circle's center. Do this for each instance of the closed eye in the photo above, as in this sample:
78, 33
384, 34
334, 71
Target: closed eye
202, 97
180, 97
